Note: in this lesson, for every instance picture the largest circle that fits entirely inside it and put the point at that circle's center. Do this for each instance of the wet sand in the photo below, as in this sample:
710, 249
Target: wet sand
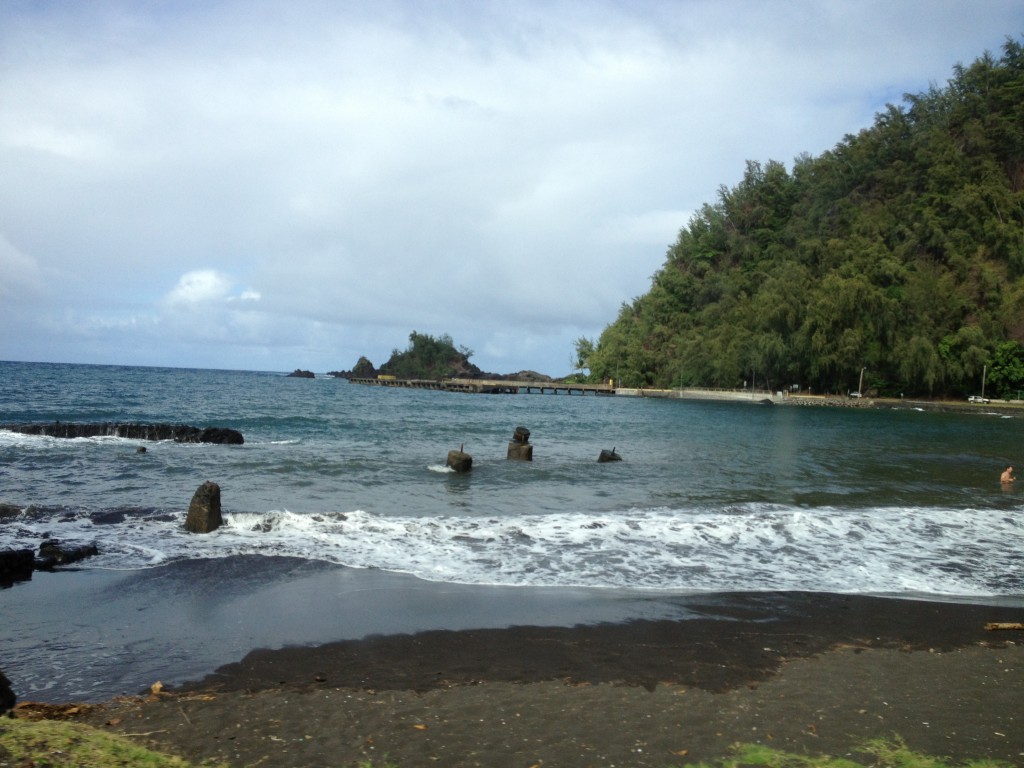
808, 673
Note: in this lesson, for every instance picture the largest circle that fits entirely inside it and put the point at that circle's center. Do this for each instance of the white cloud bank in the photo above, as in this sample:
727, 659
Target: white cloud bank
267, 185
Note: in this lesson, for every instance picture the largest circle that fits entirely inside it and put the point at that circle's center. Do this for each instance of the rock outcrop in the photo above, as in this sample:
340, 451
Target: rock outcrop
18, 564
179, 433
298, 373
204, 512
606, 456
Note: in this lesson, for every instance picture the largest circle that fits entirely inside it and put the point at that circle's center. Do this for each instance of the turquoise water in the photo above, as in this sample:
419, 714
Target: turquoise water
710, 496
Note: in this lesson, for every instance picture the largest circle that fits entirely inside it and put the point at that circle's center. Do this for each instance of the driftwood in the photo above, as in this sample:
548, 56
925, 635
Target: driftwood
1004, 625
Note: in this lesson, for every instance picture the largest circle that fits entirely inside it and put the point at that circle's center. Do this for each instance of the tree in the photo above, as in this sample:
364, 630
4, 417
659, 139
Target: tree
584, 349
900, 250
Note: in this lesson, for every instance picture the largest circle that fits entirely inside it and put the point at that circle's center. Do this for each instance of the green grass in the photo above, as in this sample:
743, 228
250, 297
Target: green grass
57, 744
60, 744
880, 753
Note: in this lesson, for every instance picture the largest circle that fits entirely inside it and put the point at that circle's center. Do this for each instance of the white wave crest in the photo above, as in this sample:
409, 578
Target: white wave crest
749, 547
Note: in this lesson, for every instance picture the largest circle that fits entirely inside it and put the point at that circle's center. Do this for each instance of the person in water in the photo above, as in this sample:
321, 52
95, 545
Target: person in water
1007, 477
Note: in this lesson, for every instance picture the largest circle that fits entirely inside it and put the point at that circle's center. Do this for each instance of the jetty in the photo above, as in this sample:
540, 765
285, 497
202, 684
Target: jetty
491, 386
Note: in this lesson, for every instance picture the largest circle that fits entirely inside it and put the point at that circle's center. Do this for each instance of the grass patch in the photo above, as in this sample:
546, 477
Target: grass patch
61, 744
55, 744
881, 753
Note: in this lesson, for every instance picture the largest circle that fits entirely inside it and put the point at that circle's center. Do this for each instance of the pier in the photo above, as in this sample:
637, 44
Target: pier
491, 386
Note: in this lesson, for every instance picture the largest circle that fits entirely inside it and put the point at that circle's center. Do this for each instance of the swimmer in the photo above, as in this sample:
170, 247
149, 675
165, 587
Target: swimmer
1007, 477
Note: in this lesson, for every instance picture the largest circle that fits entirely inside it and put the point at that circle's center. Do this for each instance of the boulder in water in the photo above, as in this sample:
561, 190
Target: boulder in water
459, 460
204, 511
16, 565
53, 553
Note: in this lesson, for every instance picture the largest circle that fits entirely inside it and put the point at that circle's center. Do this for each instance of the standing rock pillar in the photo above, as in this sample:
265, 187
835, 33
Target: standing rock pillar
204, 511
519, 449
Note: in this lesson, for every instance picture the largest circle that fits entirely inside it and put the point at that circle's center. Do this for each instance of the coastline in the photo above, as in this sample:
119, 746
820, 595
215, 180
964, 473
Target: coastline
304, 665
803, 672
90, 635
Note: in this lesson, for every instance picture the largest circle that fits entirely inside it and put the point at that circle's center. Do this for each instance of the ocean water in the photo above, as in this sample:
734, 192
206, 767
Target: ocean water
710, 497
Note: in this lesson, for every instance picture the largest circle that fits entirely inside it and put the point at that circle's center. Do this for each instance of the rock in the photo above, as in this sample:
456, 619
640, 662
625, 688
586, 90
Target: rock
7, 697
221, 436
298, 373
519, 449
16, 565
204, 510
9, 510
180, 433
52, 553
460, 461
520, 452
607, 456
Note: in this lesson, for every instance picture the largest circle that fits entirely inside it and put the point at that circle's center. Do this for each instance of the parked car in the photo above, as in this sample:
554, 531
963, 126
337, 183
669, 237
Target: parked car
977, 399
855, 394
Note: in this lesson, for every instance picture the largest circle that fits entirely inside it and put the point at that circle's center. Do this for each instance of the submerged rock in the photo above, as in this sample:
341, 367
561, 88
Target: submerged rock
53, 553
8, 510
607, 456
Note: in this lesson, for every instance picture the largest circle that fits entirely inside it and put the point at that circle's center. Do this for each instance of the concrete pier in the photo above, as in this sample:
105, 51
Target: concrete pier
491, 386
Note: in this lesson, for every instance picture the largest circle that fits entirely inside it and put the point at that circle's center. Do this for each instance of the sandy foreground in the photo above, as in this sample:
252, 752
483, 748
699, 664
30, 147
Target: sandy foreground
807, 673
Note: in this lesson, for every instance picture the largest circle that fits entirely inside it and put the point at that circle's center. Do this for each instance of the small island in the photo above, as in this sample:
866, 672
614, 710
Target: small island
298, 373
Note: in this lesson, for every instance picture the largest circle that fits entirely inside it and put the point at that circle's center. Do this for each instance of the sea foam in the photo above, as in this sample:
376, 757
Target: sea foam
745, 547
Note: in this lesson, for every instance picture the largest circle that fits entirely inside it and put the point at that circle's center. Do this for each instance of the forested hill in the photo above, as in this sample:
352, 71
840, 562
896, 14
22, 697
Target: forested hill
900, 252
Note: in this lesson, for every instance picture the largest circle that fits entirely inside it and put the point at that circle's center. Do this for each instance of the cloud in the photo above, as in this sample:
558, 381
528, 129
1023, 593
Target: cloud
315, 181
200, 286
22, 278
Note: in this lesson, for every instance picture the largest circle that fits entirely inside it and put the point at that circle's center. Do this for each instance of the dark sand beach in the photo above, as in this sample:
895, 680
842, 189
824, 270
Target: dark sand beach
806, 673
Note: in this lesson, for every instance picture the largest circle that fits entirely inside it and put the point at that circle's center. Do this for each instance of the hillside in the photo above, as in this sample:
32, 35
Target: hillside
899, 252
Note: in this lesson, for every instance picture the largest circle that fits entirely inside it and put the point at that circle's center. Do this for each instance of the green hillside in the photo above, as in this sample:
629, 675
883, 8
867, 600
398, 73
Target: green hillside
900, 252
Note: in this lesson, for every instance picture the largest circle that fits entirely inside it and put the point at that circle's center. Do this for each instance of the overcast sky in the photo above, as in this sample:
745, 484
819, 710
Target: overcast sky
279, 185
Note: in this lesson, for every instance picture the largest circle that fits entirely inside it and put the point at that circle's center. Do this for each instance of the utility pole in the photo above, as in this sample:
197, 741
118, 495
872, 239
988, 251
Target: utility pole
860, 386
984, 370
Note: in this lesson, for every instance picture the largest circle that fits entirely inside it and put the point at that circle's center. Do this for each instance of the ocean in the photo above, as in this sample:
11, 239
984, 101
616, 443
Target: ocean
350, 480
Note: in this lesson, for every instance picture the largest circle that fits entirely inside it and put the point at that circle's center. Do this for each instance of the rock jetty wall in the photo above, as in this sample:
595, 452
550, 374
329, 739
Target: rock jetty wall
179, 433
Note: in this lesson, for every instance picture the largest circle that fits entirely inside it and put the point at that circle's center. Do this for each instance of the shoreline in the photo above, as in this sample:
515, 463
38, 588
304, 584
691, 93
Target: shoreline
726, 640
302, 664
805, 672
90, 635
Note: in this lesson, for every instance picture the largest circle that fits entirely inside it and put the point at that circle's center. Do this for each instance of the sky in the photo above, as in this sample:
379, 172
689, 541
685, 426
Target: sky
276, 185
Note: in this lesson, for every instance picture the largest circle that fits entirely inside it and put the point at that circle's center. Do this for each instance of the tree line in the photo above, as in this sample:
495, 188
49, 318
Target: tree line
899, 253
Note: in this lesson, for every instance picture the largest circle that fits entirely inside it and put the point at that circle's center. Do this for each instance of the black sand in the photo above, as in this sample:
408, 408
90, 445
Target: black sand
801, 672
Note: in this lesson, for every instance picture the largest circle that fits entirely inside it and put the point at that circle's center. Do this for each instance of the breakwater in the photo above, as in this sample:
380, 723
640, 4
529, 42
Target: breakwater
179, 433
